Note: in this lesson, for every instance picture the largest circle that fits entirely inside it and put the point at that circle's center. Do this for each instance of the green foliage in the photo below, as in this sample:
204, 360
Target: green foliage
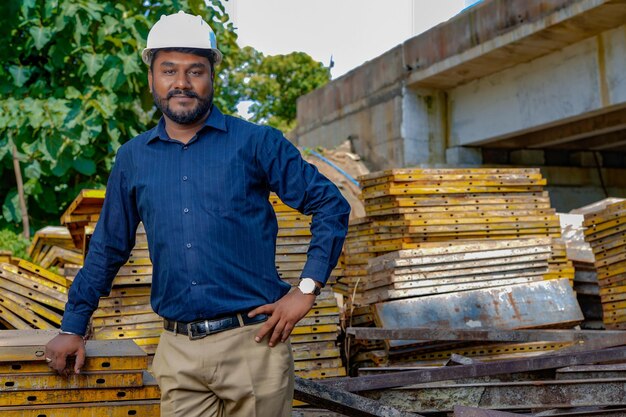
274, 83
15, 243
73, 88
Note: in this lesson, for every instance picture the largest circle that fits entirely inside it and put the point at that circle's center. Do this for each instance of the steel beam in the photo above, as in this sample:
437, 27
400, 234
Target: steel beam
548, 361
343, 402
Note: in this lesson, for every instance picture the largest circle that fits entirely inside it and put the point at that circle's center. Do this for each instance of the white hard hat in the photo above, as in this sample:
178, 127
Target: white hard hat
181, 30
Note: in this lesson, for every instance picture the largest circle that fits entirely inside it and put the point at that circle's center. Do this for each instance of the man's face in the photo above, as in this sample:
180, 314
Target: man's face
182, 86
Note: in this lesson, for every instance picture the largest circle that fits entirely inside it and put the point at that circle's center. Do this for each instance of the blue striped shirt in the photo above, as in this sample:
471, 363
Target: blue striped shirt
210, 227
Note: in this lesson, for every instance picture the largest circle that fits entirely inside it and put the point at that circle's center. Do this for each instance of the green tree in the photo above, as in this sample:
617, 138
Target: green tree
274, 83
73, 88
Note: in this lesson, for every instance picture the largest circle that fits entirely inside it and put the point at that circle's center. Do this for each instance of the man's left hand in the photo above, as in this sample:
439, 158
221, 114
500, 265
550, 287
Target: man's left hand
284, 315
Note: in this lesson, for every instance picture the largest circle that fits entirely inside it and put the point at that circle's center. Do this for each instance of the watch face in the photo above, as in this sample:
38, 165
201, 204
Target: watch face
307, 286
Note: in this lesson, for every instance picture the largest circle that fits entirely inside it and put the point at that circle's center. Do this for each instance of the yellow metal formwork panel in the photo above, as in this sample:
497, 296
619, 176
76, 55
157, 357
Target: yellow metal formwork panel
145, 408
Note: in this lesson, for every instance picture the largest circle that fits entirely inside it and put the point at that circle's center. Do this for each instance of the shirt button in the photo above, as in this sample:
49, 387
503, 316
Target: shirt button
188, 245
186, 210
185, 147
184, 178
193, 282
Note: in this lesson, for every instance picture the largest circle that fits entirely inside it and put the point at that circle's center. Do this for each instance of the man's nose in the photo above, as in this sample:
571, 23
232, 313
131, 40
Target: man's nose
182, 81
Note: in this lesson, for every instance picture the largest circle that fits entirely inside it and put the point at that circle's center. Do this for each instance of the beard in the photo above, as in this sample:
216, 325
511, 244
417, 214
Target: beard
183, 117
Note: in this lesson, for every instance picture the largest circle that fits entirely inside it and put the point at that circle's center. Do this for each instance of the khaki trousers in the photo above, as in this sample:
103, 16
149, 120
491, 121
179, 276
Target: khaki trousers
226, 374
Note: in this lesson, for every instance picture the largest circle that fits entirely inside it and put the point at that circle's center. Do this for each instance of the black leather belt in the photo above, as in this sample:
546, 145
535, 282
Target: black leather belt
202, 328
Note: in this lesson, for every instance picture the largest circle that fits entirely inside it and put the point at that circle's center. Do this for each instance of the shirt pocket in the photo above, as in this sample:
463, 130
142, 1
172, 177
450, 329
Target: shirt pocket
224, 186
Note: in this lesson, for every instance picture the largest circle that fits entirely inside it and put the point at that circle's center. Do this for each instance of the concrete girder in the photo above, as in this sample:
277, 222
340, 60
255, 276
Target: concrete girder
534, 34
579, 134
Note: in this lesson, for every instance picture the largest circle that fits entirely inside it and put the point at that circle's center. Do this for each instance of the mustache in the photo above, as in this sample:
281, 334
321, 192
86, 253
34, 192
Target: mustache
185, 93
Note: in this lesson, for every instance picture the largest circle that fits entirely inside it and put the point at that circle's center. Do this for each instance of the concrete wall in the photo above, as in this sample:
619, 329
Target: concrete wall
565, 85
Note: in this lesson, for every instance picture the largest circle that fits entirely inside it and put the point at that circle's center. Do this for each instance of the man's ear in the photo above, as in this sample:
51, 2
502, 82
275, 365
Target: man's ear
150, 78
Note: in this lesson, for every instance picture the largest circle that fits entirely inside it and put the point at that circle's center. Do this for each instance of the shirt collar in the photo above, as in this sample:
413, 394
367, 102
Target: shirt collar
216, 120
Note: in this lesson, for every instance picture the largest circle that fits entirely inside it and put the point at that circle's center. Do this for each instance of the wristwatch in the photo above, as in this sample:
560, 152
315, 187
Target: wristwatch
307, 286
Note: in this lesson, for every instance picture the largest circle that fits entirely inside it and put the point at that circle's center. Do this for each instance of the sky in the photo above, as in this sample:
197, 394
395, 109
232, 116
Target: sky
350, 31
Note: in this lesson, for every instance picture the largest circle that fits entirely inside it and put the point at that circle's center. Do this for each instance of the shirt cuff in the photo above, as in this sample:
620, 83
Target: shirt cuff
74, 323
317, 270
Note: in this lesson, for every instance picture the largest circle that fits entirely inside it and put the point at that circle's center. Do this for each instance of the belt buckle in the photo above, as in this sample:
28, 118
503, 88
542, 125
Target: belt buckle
197, 335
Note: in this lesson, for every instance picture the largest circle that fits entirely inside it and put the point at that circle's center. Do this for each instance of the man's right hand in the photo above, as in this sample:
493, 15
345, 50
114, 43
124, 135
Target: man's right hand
62, 346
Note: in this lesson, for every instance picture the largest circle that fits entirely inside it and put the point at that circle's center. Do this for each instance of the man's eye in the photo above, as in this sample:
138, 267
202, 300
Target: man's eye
168, 72
195, 73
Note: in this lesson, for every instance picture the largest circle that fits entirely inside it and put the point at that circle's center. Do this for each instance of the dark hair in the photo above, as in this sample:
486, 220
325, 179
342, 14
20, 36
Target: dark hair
206, 53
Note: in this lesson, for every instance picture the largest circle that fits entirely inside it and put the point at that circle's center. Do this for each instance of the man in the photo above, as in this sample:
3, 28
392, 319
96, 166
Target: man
200, 181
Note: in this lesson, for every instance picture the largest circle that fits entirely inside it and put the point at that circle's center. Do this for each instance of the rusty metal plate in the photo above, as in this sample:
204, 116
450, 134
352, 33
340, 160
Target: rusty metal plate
315, 364
405, 259
51, 380
143, 408
122, 311
378, 295
496, 179
317, 337
425, 281
545, 303
149, 391
462, 199
424, 191
32, 294
126, 320
434, 172
322, 373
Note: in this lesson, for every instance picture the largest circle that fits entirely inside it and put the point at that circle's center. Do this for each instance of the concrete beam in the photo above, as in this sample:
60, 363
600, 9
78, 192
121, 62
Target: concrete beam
526, 105
533, 29
572, 135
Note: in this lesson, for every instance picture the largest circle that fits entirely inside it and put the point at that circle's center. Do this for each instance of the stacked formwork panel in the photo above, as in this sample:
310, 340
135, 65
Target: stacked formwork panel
438, 231
605, 231
315, 338
113, 382
126, 312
